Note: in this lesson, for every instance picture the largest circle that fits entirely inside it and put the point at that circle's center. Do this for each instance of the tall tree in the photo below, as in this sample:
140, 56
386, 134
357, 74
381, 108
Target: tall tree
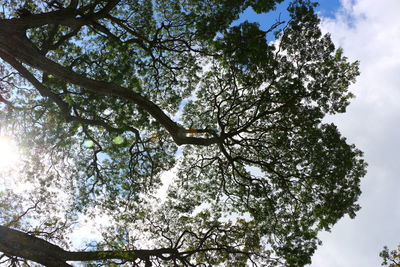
100, 95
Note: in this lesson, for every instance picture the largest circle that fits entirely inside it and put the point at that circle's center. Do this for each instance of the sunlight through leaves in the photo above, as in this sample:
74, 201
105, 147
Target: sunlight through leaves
9, 155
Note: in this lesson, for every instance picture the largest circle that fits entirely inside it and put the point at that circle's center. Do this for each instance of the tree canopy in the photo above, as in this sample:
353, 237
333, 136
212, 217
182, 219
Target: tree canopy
104, 97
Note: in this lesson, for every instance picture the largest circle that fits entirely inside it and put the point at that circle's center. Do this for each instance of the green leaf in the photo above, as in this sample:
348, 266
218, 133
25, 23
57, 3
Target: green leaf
118, 140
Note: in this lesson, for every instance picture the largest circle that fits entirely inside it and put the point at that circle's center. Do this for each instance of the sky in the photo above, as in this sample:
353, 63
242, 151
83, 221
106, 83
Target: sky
368, 31
326, 8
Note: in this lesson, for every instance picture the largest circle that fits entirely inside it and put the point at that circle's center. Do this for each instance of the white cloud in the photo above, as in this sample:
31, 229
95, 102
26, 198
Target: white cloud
369, 31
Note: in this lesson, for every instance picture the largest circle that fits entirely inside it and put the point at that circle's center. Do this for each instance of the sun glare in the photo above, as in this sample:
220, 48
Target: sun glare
9, 155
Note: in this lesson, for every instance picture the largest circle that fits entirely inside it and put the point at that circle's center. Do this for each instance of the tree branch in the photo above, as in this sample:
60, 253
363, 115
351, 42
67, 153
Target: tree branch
46, 92
14, 44
20, 244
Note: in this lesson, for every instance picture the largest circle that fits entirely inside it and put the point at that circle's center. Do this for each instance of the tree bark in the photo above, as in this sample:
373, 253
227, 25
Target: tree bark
19, 244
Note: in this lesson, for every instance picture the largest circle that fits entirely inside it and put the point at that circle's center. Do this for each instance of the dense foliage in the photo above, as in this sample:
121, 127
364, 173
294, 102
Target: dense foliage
104, 97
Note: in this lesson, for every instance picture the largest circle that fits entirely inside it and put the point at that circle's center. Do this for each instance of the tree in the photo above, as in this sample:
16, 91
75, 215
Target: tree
100, 95
390, 258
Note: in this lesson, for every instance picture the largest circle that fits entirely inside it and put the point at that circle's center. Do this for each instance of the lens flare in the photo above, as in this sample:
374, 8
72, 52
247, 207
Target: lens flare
9, 155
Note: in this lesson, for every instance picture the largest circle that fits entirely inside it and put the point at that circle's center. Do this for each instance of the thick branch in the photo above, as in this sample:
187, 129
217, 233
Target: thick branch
129, 255
66, 16
19, 244
46, 92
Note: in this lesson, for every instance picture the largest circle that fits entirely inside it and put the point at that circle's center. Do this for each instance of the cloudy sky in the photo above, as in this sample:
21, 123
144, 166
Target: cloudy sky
369, 31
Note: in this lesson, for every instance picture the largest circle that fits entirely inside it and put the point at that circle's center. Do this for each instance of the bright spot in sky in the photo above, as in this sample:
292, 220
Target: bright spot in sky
9, 155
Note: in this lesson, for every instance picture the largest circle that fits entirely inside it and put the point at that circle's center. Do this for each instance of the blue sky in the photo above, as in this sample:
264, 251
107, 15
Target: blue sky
326, 8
